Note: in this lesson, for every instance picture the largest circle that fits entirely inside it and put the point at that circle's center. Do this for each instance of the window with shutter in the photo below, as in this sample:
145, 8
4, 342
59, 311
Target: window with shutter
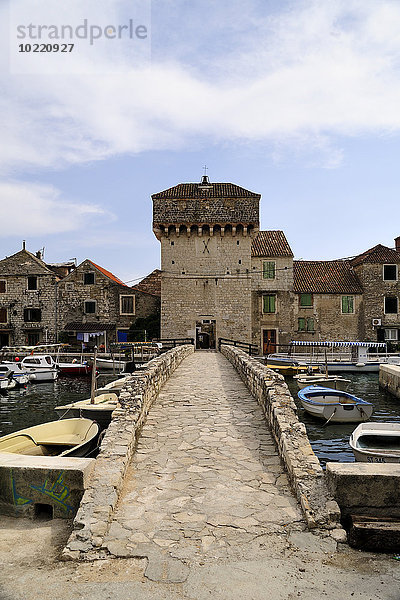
269, 303
269, 270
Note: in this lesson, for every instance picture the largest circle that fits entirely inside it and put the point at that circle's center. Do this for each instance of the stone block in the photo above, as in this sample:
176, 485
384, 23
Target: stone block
31, 485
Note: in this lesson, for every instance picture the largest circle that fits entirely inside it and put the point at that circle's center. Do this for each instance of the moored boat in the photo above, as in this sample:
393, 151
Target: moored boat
337, 382
334, 405
376, 442
69, 437
100, 410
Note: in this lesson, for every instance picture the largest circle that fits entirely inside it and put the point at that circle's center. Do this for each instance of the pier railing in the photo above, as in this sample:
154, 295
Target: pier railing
251, 349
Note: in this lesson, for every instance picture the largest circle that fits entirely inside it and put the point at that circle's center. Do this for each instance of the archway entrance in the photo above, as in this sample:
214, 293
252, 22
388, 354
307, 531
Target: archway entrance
205, 334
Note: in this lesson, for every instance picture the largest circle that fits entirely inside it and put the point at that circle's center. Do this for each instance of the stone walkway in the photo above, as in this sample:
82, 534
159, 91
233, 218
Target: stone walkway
206, 481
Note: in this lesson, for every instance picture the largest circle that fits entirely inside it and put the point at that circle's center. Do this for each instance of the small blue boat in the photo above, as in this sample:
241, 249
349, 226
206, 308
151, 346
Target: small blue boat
334, 405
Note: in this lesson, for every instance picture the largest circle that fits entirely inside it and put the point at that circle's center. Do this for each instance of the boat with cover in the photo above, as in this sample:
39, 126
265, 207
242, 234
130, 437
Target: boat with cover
334, 405
100, 409
68, 437
376, 442
356, 357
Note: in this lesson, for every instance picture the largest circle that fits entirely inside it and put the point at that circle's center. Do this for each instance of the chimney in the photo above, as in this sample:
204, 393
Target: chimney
397, 243
23, 244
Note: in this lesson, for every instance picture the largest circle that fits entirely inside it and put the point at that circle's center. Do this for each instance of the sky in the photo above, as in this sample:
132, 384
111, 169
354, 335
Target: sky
295, 100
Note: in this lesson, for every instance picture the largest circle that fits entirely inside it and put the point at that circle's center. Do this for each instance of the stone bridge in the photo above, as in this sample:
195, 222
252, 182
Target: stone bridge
205, 457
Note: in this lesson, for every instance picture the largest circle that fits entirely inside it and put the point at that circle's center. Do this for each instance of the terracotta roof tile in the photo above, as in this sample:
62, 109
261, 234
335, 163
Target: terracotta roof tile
378, 254
150, 284
325, 277
108, 274
216, 190
270, 243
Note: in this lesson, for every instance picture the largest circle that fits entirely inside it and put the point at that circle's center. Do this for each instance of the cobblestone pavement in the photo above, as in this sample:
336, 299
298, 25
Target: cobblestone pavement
206, 480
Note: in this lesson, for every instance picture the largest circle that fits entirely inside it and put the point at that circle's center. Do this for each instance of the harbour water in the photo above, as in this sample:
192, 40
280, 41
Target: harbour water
330, 442
20, 409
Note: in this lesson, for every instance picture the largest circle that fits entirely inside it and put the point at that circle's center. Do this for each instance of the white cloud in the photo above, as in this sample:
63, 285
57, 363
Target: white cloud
298, 78
33, 209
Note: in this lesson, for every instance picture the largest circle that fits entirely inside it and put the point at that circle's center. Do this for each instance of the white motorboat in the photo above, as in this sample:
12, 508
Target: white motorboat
42, 366
376, 442
337, 382
15, 378
334, 405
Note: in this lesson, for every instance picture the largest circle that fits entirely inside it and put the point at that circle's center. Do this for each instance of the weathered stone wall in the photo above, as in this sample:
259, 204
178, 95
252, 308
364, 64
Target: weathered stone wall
329, 321
98, 503
304, 471
389, 379
206, 277
375, 290
15, 271
73, 292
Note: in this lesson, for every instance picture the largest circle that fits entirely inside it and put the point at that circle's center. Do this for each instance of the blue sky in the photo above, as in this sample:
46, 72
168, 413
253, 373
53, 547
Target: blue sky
296, 100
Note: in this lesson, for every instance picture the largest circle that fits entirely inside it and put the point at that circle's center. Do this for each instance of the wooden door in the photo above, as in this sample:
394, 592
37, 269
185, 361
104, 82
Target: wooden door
269, 341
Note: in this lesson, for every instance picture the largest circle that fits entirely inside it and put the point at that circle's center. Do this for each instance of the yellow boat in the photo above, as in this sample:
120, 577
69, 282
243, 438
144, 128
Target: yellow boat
68, 437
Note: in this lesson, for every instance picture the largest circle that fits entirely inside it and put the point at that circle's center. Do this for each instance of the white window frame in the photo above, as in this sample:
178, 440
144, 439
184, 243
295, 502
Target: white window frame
133, 301
95, 307
390, 265
5, 282
391, 339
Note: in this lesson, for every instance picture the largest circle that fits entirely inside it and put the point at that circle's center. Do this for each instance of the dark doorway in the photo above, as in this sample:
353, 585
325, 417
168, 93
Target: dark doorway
4, 339
269, 341
205, 334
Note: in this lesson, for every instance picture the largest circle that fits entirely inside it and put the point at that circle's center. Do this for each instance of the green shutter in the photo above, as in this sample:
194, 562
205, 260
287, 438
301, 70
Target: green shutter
305, 299
269, 304
347, 304
310, 324
301, 324
268, 270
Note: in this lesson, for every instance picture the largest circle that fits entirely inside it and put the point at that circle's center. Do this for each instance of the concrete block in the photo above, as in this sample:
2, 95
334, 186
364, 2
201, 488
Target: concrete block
367, 489
34, 485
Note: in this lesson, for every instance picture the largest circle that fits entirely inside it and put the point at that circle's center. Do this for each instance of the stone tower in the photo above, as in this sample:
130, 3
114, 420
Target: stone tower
206, 231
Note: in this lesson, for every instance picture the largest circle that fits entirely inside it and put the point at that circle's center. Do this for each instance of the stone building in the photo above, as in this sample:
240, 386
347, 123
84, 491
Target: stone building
222, 277
27, 300
206, 231
378, 271
96, 308
272, 290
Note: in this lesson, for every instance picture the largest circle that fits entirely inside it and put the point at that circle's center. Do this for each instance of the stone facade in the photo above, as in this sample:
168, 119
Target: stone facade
222, 277
27, 300
94, 305
206, 233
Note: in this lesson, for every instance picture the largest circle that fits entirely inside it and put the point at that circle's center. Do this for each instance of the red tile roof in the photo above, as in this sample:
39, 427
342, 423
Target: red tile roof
150, 284
325, 277
378, 254
270, 243
214, 190
108, 274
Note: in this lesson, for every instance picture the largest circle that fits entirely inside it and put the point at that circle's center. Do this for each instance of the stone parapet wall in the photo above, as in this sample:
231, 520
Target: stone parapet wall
99, 500
389, 379
304, 471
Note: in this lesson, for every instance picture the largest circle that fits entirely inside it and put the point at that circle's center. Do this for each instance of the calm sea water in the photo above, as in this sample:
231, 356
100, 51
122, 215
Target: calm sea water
330, 442
35, 405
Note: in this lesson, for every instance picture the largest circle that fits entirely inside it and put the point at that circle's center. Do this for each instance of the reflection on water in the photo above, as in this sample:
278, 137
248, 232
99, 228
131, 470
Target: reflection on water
330, 442
35, 405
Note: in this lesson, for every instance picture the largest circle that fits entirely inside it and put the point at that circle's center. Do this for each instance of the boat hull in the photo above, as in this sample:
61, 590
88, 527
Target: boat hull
100, 411
334, 382
376, 443
334, 406
71, 437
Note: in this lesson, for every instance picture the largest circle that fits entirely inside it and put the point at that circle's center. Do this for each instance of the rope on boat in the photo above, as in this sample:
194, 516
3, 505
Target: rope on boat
326, 422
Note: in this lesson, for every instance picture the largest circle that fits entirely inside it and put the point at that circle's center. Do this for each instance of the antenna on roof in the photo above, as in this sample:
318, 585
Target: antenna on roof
205, 180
